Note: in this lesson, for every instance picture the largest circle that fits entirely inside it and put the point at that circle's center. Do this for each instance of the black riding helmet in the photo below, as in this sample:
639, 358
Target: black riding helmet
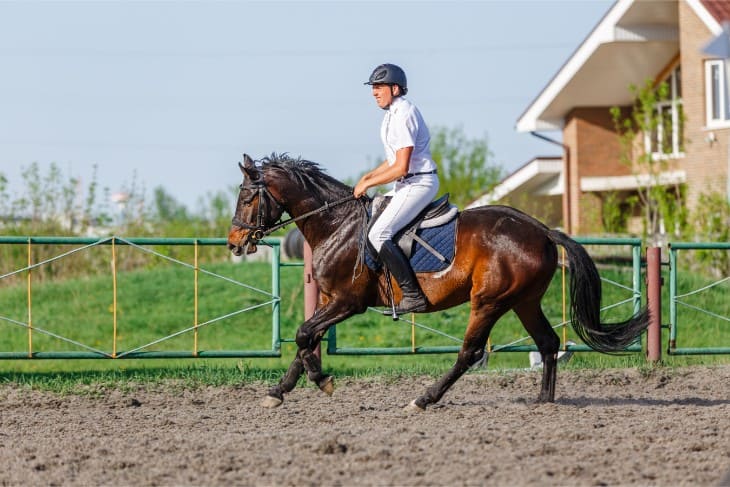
389, 74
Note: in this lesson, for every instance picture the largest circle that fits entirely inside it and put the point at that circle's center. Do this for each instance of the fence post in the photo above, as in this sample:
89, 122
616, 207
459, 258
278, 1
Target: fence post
654, 303
311, 291
276, 293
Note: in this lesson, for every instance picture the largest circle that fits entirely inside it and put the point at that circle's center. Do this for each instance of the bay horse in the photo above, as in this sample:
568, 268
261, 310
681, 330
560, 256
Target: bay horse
504, 260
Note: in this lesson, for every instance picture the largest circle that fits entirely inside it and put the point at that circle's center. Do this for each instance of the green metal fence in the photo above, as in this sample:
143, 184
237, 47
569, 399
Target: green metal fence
145, 245
703, 307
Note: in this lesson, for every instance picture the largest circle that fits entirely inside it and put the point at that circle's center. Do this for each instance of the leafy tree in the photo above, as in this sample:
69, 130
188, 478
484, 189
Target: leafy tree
4, 196
712, 223
216, 209
465, 166
663, 205
167, 208
615, 209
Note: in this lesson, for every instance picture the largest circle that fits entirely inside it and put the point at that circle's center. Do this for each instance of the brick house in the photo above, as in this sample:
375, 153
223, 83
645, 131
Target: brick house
636, 40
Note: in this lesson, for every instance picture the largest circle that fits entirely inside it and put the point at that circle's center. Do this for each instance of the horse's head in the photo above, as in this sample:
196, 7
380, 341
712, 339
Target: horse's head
257, 210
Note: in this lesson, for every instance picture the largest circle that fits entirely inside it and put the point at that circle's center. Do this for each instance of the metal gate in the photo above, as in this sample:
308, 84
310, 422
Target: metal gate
81, 349
704, 306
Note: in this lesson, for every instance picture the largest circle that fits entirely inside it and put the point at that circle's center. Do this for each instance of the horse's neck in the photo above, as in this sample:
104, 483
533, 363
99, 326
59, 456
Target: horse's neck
316, 228
325, 226
321, 226
312, 227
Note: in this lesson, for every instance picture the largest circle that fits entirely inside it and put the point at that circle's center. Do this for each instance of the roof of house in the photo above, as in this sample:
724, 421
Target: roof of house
719, 9
633, 41
539, 176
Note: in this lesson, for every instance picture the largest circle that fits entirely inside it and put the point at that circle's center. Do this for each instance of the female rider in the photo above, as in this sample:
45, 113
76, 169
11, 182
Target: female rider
409, 164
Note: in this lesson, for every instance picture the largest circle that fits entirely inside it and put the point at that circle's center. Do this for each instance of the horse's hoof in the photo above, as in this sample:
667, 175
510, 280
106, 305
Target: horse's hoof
271, 402
328, 385
413, 408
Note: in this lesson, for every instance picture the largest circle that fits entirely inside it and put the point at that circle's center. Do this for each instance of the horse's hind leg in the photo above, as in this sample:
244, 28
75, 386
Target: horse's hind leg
472, 351
547, 342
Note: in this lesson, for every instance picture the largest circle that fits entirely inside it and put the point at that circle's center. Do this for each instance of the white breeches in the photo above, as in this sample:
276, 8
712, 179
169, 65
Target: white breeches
410, 197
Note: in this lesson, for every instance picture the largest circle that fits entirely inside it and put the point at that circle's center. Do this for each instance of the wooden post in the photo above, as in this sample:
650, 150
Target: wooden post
654, 303
311, 291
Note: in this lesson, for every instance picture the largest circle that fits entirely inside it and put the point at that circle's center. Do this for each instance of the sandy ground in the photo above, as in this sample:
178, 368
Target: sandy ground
611, 427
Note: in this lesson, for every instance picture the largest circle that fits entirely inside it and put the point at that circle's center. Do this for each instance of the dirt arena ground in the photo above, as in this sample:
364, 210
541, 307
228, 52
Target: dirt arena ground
611, 427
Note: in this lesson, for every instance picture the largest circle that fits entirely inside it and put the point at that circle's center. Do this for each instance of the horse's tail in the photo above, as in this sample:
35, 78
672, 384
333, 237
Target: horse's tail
585, 297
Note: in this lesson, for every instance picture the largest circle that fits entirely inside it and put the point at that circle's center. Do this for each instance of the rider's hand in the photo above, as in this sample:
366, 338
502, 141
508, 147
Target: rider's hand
360, 189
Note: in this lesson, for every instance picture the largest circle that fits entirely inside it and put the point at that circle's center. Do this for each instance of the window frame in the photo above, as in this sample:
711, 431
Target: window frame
674, 104
710, 94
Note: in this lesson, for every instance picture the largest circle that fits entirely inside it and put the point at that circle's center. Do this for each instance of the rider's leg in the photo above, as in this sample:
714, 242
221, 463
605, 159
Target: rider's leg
413, 300
409, 199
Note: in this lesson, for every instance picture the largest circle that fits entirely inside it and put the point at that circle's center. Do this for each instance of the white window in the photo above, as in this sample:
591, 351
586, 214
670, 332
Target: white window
667, 139
717, 104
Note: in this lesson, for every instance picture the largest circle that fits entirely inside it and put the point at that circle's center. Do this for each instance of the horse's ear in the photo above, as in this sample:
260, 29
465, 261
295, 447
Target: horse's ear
249, 168
248, 162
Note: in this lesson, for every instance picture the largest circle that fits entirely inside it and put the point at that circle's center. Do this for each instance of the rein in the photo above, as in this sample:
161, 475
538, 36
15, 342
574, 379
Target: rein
260, 230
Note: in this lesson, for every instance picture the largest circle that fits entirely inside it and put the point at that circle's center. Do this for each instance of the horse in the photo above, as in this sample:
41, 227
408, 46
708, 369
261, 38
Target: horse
504, 260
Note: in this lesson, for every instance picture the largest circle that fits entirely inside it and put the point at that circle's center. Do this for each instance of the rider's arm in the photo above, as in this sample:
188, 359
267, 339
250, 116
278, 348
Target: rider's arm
385, 173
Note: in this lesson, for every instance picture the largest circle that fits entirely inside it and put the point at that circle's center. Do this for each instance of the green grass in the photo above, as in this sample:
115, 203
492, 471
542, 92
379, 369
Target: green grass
158, 301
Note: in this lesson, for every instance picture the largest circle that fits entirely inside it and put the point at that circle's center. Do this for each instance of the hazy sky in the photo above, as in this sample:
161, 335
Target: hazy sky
176, 91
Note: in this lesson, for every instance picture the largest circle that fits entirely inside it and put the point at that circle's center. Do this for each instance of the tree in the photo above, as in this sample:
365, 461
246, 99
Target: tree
167, 208
465, 166
712, 223
644, 135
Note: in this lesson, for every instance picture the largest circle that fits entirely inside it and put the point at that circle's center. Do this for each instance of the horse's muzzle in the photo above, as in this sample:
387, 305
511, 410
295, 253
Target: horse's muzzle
240, 243
239, 250
235, 249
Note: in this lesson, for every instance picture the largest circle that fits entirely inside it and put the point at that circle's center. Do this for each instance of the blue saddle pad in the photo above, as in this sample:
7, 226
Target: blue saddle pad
441, 238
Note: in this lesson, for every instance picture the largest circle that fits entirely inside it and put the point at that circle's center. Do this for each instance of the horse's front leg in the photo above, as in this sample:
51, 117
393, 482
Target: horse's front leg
309, 336
275, 395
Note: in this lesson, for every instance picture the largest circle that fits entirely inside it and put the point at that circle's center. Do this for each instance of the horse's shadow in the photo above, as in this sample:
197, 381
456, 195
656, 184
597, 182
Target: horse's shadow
582, 401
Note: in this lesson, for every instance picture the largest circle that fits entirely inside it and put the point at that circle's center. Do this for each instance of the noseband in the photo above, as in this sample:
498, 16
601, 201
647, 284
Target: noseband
261, 230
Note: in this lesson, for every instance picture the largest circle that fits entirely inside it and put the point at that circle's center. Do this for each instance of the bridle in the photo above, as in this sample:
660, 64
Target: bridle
261, 229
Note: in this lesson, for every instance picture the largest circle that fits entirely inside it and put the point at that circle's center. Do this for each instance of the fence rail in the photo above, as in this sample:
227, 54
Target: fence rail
87, 351
680, 304
709, 298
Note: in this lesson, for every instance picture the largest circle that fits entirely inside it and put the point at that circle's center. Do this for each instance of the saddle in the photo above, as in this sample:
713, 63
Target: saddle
431, 229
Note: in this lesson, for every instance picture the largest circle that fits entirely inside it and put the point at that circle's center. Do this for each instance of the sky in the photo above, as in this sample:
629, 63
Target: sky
171, 93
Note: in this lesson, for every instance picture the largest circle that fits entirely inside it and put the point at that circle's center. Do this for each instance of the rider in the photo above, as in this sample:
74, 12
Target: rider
409, 164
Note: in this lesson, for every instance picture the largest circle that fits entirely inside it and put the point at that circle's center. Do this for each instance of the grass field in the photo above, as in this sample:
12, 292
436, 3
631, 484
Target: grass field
158, 300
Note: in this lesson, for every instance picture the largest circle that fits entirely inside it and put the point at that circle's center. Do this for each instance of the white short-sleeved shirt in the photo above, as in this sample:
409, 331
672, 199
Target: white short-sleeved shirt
403, 126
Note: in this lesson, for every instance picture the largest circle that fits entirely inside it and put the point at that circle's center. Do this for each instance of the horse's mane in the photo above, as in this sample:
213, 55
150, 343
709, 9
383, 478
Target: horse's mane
306, 173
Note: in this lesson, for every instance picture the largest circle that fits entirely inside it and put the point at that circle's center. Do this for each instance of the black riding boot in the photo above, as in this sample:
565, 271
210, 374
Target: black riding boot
413, 299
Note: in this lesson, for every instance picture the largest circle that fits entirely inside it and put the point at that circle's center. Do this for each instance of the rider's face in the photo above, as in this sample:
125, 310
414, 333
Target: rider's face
383, 94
